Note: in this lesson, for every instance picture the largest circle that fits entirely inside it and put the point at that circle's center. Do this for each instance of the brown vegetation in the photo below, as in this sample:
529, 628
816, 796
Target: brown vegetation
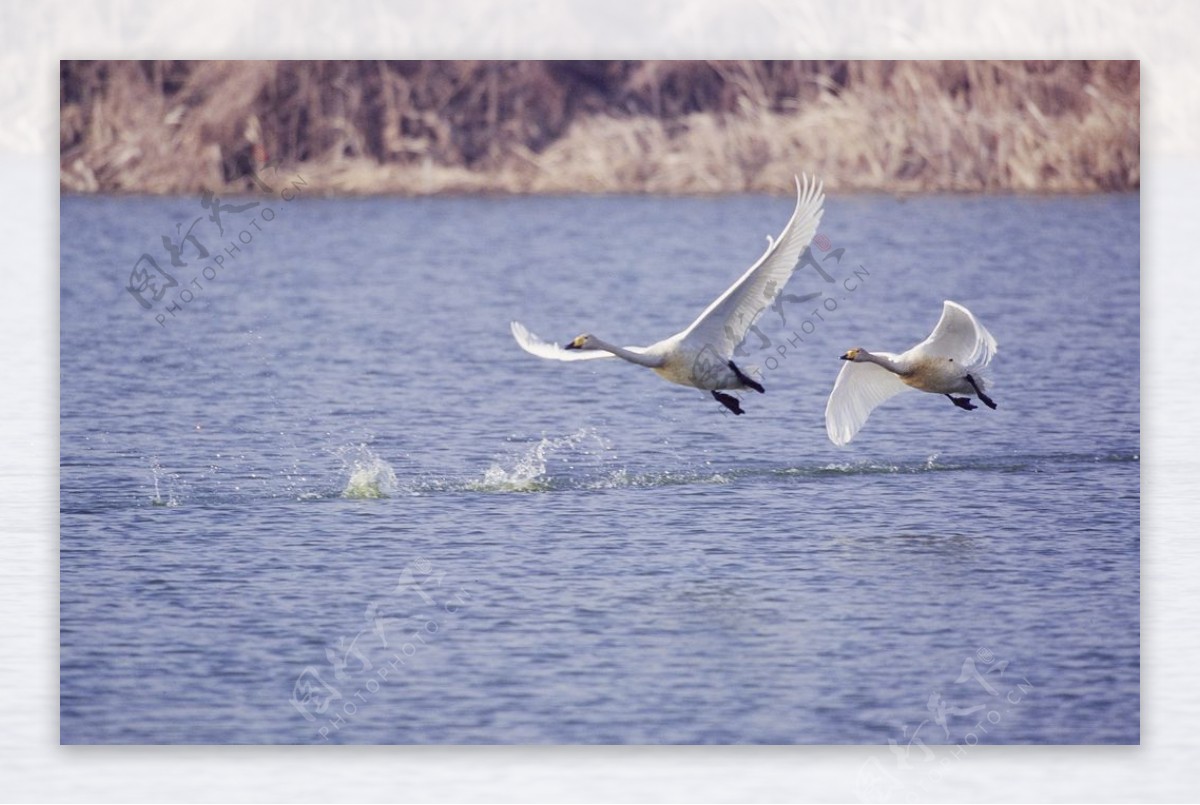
531, 127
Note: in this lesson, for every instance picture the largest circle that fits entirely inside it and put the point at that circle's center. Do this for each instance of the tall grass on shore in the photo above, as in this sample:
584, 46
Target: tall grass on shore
551, 127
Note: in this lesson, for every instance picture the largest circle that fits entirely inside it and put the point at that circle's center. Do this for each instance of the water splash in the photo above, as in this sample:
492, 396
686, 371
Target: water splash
622, 478
549, 464
582, 461
866, 467
163, 480
368, 475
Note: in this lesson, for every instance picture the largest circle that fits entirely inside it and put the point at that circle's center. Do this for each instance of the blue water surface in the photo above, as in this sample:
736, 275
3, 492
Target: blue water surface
315, 493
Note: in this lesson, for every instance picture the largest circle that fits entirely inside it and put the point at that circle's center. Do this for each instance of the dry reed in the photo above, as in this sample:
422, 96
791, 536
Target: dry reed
644, 127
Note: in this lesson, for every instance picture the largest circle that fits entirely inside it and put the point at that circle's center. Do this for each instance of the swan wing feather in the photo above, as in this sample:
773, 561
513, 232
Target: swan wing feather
960, 336
860, 388
535, 345
724, 324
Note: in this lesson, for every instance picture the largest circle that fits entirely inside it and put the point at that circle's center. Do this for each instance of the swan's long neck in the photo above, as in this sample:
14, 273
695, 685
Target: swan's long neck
632, 357
886, 362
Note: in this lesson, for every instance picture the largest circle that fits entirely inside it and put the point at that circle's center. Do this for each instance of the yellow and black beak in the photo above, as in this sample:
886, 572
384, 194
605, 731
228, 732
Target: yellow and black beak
572, 345
847, 357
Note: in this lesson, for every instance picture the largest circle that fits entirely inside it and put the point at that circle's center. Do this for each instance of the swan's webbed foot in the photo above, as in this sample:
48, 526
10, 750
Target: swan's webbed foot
729, 401
962, 402
979, 392
746, 379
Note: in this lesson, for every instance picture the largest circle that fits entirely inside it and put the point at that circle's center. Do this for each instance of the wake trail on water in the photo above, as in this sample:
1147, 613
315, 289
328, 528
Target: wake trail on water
584, 460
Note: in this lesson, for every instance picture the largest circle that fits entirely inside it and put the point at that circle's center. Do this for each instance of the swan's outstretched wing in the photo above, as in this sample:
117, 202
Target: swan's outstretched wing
544, 349
859, 389
725, 323
960, 336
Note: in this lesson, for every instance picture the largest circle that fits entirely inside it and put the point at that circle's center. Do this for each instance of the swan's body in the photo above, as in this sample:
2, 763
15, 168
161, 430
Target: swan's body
702, 355
950, 361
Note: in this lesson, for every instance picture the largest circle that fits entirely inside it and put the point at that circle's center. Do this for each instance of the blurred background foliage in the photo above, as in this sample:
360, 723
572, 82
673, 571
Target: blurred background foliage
420, 127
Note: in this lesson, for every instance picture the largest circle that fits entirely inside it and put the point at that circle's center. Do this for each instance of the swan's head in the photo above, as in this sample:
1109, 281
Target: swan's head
854, 354
584, 341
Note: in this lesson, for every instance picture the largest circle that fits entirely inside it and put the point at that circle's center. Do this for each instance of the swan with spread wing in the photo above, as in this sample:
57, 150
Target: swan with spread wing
952, 360
701, 356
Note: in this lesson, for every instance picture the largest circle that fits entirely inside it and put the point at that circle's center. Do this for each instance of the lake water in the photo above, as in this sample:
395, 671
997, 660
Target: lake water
328, 499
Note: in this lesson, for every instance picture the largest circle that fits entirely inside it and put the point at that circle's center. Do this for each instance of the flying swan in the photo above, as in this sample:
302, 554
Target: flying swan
950, 361
702, 355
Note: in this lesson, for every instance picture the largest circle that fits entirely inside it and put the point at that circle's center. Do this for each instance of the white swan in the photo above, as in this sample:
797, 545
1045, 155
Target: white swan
950, 361
702, 355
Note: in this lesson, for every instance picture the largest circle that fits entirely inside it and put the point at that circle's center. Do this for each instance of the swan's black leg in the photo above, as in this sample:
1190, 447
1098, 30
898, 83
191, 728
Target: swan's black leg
753, 384
729, 401
962, 402
986, 399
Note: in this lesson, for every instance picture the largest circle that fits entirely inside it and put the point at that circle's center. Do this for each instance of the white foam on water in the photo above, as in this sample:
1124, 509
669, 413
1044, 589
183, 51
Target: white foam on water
367, 475
552, 462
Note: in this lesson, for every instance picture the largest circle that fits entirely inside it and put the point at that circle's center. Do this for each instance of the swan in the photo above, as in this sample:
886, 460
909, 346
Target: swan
702, 355
950, 361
